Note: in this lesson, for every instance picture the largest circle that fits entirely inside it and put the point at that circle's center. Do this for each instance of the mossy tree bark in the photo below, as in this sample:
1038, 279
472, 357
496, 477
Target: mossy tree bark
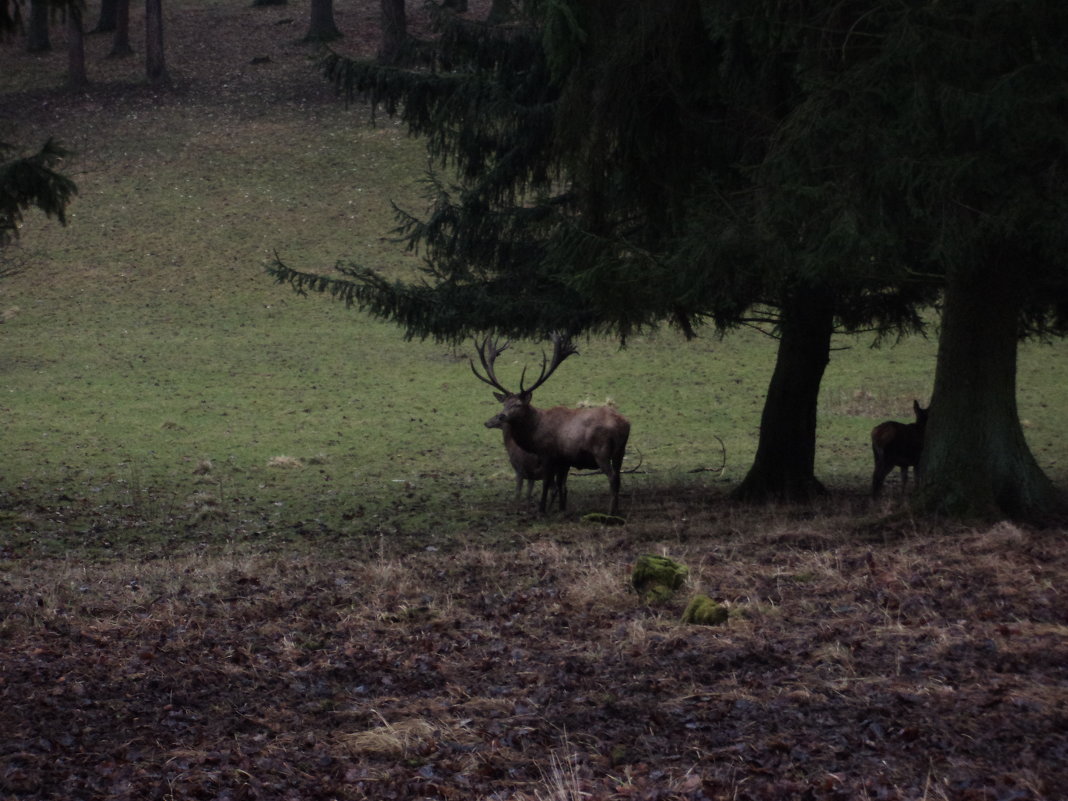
784, 467
976, 462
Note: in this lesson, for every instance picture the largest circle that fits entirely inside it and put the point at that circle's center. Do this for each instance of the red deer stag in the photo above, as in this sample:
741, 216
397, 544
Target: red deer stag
897, 445
591, 438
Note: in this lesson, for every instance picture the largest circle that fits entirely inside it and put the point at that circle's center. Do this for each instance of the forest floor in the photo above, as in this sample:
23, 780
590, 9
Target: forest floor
866, 656
902, 662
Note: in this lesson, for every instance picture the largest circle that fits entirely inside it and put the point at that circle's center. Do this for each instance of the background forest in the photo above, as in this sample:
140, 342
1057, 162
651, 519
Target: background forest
257, 545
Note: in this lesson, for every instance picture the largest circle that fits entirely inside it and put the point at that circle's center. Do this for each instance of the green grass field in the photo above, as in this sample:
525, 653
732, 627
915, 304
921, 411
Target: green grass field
150, 371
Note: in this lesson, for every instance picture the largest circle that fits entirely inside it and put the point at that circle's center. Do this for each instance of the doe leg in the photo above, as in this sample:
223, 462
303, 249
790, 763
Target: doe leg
877, 478
561, 487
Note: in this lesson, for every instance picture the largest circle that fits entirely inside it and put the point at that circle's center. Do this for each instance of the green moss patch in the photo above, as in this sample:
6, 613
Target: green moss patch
656, 578
703, 611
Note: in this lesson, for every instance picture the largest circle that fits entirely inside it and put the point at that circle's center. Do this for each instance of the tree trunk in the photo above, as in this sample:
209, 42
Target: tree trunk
322, 27
120, 45
394, 31
76, 74
155, 64
784, 467
976, 462
37, 40
108, 19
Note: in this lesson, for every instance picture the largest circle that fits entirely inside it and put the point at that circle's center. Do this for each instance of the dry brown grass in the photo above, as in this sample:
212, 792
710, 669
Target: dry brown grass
902, 662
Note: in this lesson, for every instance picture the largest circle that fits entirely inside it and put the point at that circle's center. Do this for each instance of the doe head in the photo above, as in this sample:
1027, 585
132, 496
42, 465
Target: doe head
921, 413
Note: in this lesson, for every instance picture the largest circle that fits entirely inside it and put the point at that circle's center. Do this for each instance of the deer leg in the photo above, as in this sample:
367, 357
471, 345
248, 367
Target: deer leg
546, 483
612, 467
877, 478
561, 487
904, 477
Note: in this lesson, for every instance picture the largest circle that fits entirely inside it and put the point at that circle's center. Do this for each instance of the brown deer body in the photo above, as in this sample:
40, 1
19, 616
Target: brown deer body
897, 445
561, 437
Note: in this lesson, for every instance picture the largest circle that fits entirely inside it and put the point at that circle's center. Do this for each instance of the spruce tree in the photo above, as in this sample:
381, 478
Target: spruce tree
612, 177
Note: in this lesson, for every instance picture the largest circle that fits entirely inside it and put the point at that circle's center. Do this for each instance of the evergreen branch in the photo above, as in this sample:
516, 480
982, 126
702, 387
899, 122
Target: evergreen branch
446, 312
32, 182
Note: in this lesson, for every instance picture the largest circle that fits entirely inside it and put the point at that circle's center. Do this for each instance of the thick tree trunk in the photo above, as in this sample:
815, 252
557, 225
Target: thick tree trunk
784, 467
394, 31
109, 16
37, 40
77, 77
155, 63
322, 27
120, 44
976, 462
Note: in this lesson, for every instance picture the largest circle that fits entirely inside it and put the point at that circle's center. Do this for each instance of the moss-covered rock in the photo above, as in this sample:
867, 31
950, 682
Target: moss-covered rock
703, 611
657, 577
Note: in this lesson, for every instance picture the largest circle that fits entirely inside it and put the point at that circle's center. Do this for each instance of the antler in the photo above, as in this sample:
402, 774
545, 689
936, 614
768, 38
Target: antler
487, 363
488, 351
562, 348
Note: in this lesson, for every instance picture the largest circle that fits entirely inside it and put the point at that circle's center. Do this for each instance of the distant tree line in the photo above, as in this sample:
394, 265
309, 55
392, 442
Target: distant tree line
114, 18
35, 17
813, 167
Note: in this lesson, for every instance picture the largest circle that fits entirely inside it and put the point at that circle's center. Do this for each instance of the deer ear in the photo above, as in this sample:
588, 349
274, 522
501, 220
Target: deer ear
500, 396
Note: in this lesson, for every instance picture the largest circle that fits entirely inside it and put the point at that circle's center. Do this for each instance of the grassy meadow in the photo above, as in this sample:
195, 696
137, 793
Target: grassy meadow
153, 374
215, 482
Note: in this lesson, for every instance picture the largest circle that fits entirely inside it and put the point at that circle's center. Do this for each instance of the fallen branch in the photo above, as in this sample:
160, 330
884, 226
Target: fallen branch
722, 464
